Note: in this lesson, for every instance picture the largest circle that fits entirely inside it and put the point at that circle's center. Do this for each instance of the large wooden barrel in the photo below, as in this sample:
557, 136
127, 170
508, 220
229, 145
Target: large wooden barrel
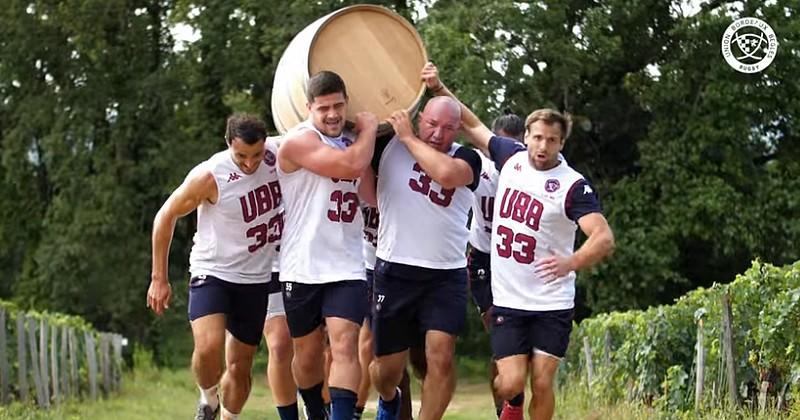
376, 51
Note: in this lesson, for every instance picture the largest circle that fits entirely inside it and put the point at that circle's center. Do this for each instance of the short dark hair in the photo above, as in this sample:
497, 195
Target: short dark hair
510, 123
248, 128
325, 83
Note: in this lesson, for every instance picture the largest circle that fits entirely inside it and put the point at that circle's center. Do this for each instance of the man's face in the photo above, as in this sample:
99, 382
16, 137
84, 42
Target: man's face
247, 156
438, 127
328, 113
544, 143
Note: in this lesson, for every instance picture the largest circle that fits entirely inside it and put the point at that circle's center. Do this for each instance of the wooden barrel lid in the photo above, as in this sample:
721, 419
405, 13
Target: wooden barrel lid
377, 53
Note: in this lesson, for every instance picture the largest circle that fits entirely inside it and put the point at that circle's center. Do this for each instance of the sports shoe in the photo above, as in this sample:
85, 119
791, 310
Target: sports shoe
384, 413
205, 412
511, 413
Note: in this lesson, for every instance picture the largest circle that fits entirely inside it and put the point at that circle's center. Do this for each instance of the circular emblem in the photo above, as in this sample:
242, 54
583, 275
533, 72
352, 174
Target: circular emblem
551, 185
269, 158
481, 274
377, 307
499, 320
749, 45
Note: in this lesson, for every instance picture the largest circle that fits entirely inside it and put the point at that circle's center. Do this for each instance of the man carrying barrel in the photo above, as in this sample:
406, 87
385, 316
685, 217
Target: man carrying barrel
424, 192
322, 266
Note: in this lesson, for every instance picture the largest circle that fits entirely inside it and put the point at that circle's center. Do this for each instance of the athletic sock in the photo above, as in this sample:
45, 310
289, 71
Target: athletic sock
392, 406
313, 399
343, 403
289, 412
358, 412
209, 396
224, 413
517, 401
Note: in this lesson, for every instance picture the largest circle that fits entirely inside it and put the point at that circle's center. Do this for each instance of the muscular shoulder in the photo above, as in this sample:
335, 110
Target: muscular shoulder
201, 183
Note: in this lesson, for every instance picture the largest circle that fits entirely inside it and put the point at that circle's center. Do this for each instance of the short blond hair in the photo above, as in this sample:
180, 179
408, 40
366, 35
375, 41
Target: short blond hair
551, 116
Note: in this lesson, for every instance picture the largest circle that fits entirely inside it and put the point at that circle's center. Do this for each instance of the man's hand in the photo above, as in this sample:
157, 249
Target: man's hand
402, 125
159, 294
553, 267
366, 121
430, 74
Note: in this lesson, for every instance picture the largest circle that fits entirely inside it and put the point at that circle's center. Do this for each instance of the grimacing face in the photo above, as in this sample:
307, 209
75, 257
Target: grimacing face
328, 113
247, 156
438, 126
544, 142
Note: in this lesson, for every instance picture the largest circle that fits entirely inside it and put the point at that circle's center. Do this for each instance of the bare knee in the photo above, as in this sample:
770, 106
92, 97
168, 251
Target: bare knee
508, 386
344, 346
280, 350
542, 386
439, 363
208, 351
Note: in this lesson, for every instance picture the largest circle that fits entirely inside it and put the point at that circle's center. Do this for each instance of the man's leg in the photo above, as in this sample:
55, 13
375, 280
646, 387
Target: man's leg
550, 337
344, 307
236, 381
543, 403
510, 384
345, 371
308, 368
279, 367
440, 378
386, 373
209, 344
364, 359
303, 305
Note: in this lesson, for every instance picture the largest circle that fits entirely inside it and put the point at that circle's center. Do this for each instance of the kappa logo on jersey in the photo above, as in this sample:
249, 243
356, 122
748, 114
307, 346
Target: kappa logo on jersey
347, 142
587, 189
552, 185
269, 158
518, 167
233, 177
485, 176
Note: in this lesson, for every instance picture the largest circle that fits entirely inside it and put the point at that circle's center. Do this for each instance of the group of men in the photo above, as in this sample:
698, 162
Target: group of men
369, 292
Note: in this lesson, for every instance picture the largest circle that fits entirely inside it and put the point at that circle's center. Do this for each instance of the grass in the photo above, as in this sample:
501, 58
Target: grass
154, 394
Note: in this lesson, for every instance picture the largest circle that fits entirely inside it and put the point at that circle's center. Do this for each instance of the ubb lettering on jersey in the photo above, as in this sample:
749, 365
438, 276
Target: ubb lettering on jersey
530, 219
237, 237
480, 236
323, 223
422, 223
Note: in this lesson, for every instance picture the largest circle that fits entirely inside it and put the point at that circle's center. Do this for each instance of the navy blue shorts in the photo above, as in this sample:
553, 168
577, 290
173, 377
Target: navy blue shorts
244, 305
307, 305
480, 279
409, 301
516, 332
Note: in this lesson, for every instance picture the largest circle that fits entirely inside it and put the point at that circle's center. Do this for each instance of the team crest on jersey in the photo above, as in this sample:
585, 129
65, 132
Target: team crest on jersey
551, 185
269, 158
347, 142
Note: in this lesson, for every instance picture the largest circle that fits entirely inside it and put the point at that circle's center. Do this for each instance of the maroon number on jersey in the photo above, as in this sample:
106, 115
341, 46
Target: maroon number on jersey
506, 249
265, 233
422, 185
346, 207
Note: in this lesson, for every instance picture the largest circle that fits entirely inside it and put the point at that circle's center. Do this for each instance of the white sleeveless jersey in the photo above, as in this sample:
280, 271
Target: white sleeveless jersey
480, 235
371, 222
422, 224
237, 237
322, 237
529, 219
